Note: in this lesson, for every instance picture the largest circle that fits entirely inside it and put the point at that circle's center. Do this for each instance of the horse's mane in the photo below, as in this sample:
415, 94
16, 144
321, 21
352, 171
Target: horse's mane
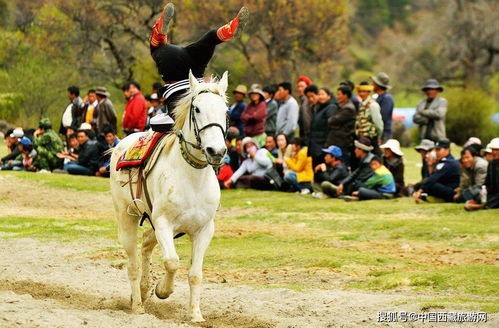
183, 106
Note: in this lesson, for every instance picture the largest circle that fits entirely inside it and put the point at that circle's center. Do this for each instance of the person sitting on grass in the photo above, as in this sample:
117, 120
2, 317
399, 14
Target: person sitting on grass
363, 172
473, 173
328, 175
28, 156
443, 181
381, 185
225, 173
47, 144
11, 141
88, 156
489, 197
300, 173
112, 141
271, 146
251, 173
393, 160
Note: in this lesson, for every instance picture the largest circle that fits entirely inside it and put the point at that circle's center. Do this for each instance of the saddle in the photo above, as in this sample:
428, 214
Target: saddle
139, 152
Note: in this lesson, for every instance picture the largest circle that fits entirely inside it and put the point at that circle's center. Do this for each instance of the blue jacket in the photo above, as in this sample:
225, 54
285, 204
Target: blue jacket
235, 111
446, 172
386, 105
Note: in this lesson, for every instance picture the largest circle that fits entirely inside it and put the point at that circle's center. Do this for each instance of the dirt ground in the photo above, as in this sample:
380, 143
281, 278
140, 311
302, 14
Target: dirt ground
51, 284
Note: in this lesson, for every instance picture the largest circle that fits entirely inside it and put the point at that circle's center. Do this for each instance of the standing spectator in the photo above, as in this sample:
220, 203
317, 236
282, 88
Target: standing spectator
379, 186
363, 172
368, 122
442, 182
112, 141
272, 107
90, 102
287, 116
430, 112
251, 173
11, 140
88, 156
105, 114
305, 113
135, 115
237, 108
324, 107
393, 160
254, 115
47, 144
490, 198
381, 84
328, 175
351, 85
301, 173
271, 146
71, 118
473, 174
342, 124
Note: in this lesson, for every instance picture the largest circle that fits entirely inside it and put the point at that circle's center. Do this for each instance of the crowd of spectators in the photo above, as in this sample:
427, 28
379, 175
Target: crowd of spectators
327, 143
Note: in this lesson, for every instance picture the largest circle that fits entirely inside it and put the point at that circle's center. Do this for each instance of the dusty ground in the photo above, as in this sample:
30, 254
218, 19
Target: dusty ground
50, 284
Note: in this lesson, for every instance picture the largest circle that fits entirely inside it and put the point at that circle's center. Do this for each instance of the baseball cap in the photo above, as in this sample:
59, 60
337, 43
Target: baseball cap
25, 141
443, 143
333, 150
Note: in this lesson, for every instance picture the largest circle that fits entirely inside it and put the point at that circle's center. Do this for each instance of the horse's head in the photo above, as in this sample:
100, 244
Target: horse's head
209, 116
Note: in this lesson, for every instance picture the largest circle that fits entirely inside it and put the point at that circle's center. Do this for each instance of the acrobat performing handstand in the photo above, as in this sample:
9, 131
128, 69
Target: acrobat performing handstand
174, 62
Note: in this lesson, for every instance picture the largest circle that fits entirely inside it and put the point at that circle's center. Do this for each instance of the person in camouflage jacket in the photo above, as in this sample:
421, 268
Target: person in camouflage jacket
47, 144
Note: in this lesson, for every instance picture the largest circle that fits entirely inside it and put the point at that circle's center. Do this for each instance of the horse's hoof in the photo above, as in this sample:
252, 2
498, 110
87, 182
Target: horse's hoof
197, 318
162, 295
138, 309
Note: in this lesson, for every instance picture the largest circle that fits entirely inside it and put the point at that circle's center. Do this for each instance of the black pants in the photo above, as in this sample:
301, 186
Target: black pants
174, 62
254, 182
367, 194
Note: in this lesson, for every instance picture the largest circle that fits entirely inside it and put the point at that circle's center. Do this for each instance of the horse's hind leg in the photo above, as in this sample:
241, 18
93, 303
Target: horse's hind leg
147, 247
128, 237
200, 243
164, 236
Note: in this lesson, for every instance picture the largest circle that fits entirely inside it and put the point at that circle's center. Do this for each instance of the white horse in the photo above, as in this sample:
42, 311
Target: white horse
183, 190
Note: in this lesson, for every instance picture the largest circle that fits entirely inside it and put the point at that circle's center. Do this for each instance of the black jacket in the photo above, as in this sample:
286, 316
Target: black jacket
362, 173
88, 155
14, 152
333, 174
446, 172
319, 128
492, 179
342, 125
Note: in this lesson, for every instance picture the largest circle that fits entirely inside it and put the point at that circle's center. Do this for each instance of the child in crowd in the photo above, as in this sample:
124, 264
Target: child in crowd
28, 155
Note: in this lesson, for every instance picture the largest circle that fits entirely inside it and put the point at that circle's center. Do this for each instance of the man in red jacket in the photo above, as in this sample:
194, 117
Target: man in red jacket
135, 115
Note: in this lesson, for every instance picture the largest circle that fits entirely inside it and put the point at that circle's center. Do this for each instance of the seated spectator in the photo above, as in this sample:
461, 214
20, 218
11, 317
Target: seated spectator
300, 174
473, 173
112, 141
363, 172
324, 106
329, 175
88, 156
272, 108
380, 185
255, 114
225, 173
28, 155
487, 153
342, 123
283, 152
490, 194
47, 144
443, 181
271, 146
11, 141
424, 149
393, 160
251, 173
71, 154
472, 141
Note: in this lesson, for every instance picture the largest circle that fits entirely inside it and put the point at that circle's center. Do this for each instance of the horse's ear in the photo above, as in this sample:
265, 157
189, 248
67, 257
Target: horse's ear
193, 82
224, 83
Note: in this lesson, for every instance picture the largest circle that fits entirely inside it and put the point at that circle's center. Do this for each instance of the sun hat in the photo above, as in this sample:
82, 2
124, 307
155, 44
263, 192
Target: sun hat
241, 88
364, 144
393, 145
154, 96
382, 79
333, 150
247, 140
494, 144
102, 91
85, 126
256, 88
432, 84
426, 144
17, 133
471, 141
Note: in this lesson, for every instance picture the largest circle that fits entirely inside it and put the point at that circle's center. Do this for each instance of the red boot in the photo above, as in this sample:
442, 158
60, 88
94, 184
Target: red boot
157, 37
234, 28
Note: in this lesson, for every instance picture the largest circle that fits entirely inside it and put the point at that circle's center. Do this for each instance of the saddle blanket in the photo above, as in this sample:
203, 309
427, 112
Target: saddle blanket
140, 151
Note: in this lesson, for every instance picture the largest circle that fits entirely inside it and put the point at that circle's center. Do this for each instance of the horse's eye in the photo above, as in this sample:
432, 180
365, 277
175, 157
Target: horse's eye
197, 110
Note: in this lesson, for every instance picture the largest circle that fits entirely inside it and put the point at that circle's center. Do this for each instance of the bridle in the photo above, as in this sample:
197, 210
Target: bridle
188, 156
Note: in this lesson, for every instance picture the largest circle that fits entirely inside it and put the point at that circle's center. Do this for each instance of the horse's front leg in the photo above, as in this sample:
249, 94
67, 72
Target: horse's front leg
164, 236
147, 248
200, 242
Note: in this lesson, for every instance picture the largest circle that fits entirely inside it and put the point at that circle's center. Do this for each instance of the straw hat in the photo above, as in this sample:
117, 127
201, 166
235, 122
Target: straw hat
256, 88
426, 144
241, 88
102, 91
393, 145
248, 140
